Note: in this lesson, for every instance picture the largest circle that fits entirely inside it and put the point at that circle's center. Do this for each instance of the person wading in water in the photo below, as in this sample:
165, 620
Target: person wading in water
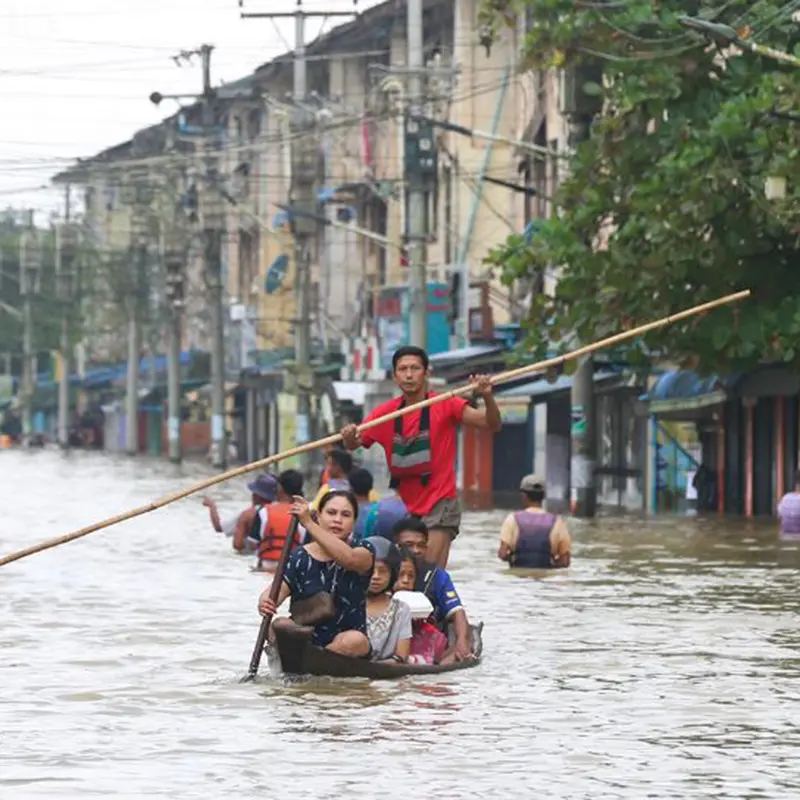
534, 538
421, 447
789, 510
265, 525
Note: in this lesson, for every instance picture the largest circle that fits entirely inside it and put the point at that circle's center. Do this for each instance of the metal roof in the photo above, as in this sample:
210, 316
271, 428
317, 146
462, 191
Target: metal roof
540, 388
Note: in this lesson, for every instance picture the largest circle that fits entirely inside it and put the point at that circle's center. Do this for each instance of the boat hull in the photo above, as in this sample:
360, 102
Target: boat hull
298, 656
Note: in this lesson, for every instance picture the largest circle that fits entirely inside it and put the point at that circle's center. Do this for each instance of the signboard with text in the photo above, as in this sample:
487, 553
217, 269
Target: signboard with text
393, 320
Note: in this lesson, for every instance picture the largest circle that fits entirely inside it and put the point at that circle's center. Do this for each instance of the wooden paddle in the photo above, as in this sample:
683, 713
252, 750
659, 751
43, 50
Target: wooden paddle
274, 591
539, 366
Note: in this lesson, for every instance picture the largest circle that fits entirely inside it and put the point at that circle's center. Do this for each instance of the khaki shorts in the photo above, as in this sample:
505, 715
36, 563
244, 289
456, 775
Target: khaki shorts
445, 516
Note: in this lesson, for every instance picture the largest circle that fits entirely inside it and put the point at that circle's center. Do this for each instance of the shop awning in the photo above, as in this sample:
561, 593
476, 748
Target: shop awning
683, 391
453, 366
472, 353
539, 389
98, 376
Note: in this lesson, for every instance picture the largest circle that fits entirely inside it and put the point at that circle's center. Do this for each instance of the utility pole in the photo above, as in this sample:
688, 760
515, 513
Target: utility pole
65, 260
174, 261
138, 254
212, 248
213, 223
419, 152
583, 433
30, 266
304, 204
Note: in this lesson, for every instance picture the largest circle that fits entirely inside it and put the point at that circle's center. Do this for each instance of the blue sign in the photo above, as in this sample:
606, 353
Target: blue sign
393, 320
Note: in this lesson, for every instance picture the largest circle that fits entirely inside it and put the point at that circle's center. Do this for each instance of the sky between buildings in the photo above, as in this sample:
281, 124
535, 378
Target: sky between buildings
75, 75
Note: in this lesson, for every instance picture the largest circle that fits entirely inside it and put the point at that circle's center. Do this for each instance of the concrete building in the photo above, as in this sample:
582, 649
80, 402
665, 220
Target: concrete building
356, 77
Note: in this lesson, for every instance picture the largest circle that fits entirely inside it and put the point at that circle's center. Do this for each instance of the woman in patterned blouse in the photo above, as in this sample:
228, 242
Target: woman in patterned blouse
329, 564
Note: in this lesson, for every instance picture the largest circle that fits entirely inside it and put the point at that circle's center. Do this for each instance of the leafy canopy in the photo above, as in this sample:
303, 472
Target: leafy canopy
664, 205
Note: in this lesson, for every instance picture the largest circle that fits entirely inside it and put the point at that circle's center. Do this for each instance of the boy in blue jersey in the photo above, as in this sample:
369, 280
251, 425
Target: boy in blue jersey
437, 585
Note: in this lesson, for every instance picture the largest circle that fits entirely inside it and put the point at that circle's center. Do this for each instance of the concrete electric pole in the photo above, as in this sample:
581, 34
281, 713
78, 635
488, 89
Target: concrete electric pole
30, 263
583, 462
304, 205
420, 168
137, 257
136, 288
212, 220
213, 223
175, 250
174, 261
65, 267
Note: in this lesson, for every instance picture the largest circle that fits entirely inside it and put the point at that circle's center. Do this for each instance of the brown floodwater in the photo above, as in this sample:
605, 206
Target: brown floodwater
663, 664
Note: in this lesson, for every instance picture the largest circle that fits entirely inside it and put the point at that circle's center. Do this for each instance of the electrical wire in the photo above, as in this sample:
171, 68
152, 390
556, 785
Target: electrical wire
265, 142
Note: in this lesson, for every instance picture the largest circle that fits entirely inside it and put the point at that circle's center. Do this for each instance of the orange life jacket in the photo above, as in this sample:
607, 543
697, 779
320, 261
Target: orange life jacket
273, 538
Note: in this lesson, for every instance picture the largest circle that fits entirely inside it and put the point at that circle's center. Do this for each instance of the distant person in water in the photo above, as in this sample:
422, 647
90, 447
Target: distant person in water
269, 528
361, 482
264, 491
339, 465
220, 524
789, 510
228, 524
387, 513
533, 538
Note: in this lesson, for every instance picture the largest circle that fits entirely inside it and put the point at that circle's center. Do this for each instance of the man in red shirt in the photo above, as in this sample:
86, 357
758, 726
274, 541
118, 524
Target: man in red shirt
421, 447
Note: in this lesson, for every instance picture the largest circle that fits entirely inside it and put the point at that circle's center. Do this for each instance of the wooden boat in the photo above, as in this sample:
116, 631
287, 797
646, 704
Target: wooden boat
299, 657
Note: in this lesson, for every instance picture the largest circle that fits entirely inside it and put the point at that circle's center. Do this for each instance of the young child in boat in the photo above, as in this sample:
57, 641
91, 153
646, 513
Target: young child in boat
428, 643
412, 533
388, 619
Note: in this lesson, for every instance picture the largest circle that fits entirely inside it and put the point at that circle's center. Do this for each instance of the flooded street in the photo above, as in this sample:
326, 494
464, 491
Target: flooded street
664, 664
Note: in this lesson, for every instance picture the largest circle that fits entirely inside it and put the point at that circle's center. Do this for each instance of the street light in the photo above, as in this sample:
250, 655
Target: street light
725, 35
156, 98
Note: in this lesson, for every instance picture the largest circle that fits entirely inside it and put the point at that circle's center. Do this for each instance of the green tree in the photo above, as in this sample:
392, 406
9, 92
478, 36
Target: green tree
101, 284
44, 305
664, 204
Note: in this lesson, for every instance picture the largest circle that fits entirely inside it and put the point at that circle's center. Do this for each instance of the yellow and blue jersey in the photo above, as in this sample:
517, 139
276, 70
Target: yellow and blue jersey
440, 590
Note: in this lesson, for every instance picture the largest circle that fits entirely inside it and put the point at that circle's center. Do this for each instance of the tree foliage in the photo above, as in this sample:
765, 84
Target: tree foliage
664, 203
45, 309
100, 280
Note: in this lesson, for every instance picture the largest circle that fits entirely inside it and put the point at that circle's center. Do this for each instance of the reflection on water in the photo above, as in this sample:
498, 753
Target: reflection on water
663, 664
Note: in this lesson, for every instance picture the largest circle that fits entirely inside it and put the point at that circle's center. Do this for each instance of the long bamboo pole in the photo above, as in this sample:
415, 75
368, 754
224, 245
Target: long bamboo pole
503, 377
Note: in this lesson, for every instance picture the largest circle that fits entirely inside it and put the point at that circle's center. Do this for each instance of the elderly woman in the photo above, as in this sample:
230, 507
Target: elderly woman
331, 573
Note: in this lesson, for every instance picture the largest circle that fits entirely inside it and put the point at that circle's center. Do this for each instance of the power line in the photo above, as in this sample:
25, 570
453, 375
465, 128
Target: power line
260, 146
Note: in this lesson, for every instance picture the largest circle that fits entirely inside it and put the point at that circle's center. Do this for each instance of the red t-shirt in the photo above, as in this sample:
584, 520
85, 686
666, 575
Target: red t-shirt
445, 417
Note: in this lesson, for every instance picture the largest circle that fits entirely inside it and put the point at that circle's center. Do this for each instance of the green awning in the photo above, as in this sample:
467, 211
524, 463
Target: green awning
677, 404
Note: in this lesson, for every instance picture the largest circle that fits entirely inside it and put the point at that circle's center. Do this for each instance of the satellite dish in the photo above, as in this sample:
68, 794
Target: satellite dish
276, 273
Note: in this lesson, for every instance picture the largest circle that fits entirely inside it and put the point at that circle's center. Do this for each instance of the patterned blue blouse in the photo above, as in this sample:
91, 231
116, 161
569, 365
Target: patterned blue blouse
306, 576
